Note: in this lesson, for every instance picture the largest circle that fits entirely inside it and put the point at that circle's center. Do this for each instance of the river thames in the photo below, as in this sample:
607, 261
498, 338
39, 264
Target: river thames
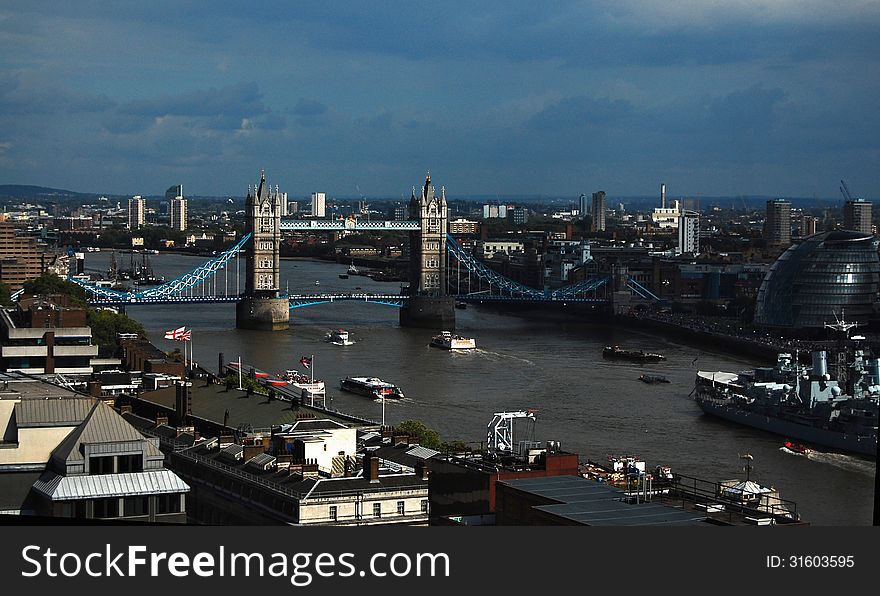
594, 407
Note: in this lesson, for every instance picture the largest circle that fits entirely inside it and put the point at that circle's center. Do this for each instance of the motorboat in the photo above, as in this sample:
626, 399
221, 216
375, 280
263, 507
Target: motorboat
339, 337
449, 341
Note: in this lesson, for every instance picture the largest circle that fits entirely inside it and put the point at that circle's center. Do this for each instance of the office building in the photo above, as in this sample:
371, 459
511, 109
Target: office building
809, 225
598, 212
21, 258
583, 205
137, 207
494, 211
69, 456
46, 335
464, 226
813, 282
518, 215
857, 216
777, 223
319, 204
689, 233
292, 207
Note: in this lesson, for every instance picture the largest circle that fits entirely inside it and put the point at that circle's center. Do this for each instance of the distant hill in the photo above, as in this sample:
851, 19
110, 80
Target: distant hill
26, 191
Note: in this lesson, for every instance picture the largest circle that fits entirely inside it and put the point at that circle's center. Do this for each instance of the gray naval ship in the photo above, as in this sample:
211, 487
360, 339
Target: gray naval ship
802, 403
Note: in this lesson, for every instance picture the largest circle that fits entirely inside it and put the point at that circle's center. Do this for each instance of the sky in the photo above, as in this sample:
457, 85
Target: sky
556, 98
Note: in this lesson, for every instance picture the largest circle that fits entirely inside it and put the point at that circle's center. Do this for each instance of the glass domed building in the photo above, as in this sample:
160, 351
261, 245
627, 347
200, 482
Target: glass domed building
816, 280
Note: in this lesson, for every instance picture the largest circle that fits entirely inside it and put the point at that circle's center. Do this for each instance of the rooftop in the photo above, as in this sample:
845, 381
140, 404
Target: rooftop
597, 504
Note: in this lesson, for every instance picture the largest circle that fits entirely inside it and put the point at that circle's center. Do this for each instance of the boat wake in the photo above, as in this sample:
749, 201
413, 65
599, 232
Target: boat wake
838, 460
497, 356
845, 462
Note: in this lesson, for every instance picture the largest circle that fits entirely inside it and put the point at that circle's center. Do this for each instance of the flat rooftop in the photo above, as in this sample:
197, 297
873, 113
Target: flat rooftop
596, 504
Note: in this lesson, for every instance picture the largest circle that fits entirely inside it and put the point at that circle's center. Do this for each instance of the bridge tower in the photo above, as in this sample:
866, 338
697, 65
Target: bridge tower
428, 304
261, 307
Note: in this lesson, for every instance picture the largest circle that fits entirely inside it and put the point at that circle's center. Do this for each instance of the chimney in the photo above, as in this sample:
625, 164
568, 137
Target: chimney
182, 402
371, 468
663, 196
95, 388
422, 469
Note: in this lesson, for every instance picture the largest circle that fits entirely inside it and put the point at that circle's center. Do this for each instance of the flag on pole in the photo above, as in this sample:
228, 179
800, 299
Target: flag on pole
175, 333
307, 362
186, 335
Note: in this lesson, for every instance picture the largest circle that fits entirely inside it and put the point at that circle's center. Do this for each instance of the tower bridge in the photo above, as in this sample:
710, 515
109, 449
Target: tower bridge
441, 272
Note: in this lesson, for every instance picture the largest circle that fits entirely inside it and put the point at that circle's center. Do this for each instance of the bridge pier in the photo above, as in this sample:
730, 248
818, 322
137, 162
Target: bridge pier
263, 314
429, 312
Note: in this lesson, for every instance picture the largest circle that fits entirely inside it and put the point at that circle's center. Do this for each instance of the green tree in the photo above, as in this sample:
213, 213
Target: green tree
107, 325
424, 435
49, 283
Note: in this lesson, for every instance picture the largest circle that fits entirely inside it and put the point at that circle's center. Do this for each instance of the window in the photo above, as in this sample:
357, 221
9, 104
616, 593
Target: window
136, 506
265, 264
400, 508
424, 505
130, 463
106, 508
333, 513
100, 465
168, 503
377, 509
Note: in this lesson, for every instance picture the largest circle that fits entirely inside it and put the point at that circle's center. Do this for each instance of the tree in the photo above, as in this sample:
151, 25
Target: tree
424, 435
107, 325
49, 283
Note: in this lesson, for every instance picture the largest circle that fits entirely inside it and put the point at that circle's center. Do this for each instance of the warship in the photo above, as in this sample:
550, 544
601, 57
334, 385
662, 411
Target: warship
808, 404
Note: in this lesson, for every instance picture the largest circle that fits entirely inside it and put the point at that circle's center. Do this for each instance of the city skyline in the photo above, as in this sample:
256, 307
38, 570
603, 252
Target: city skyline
712, 98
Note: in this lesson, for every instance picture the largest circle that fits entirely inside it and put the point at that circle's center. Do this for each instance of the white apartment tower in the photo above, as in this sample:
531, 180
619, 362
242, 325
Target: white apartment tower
319, 200
137, 206
689, 233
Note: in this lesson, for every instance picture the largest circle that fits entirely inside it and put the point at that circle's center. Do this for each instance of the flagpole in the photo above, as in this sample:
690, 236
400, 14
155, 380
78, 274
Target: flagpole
312, 368
191, 350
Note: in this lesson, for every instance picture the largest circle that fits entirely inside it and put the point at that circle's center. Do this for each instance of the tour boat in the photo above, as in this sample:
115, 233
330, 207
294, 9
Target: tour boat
339, 337
448, 341
371, 387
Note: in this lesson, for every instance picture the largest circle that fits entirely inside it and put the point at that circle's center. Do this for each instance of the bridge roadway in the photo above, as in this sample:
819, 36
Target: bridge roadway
302, 300
357, 225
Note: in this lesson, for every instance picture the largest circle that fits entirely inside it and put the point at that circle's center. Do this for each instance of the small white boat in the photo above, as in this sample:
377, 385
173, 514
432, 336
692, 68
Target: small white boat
317, 283
448, 341
339, 337
353, 270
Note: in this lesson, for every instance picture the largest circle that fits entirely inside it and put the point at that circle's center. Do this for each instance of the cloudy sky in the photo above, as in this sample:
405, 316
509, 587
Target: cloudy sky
713, 97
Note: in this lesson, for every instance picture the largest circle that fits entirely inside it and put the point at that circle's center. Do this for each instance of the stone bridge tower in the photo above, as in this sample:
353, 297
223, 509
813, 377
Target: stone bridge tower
428, 306
261, 307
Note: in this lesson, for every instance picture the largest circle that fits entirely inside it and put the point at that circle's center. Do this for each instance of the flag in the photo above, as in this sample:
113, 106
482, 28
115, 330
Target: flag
175, 333
307, 362
185, 336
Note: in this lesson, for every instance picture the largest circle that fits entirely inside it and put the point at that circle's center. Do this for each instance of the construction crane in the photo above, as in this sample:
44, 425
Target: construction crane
844, 190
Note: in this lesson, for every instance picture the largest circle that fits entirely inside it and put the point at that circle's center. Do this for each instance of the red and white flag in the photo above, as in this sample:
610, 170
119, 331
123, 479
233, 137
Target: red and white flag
186, 335
307, 362
175, 333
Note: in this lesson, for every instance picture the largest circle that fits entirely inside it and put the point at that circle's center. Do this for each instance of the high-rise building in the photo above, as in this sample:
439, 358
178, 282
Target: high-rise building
598, 212
777, 223
137, 206
178, 213
176, 207
689, 233
857, 216
21, 258
809, 225
319, 202
292, 207
583, 205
